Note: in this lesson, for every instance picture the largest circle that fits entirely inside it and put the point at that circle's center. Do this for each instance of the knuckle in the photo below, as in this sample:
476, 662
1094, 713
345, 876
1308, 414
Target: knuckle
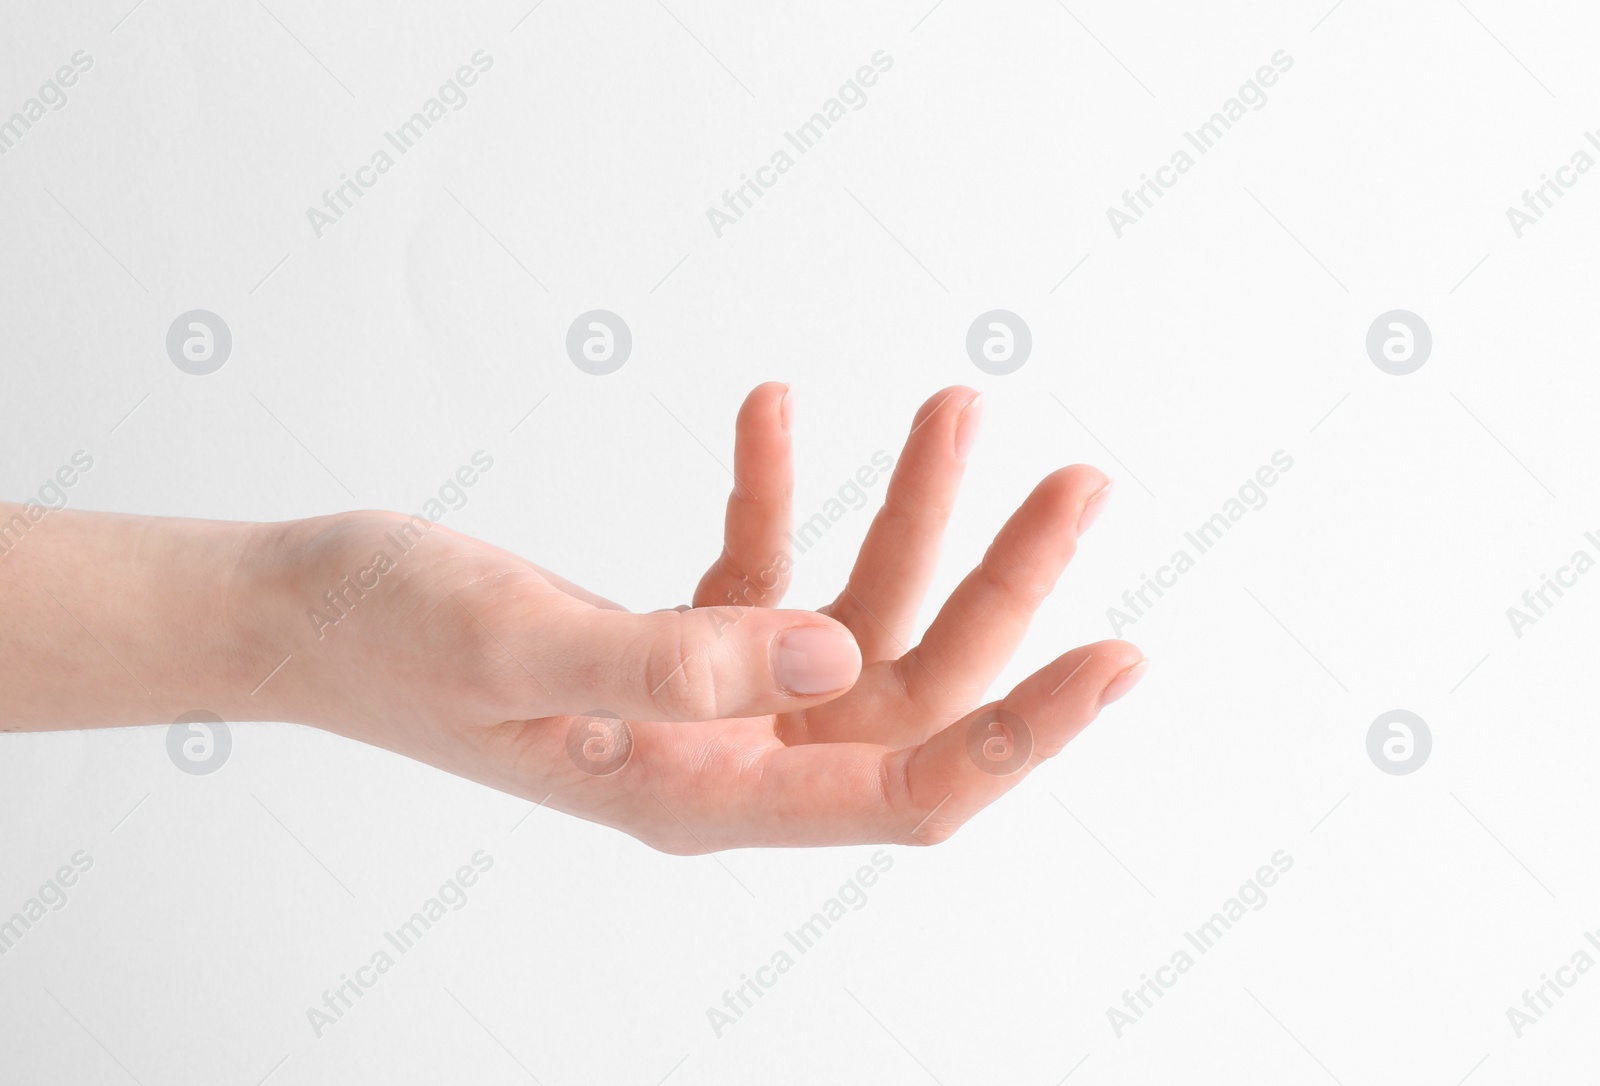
905, 512
934, 832
672, 845
1013, 575
680, 671
932, 820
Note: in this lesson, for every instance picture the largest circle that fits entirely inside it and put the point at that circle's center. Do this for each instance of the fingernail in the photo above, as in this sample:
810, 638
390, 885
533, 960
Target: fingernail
1125, 681
786, 408
815, 660
1092, 507
967, 426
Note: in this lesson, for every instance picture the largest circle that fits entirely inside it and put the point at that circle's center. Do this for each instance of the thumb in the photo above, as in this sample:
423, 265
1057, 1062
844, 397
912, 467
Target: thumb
700, 664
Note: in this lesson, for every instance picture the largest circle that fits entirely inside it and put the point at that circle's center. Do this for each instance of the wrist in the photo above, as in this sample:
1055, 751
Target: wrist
292, 576
263, 678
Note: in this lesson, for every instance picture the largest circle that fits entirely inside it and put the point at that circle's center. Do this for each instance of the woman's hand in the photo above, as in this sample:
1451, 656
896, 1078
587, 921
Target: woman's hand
728, 724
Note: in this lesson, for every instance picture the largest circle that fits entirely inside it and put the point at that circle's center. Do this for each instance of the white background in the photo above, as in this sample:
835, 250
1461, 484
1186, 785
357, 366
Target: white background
370, 363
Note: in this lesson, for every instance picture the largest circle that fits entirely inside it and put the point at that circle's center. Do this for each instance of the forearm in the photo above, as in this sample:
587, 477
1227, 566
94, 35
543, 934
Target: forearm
114, 620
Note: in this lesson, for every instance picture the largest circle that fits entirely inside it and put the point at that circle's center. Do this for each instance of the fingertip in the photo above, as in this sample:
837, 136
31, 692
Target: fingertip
767, 401
1094, 506
762, 452
1078, 478
956, 398
1072, 495
1124, 681
1117, 649
972, 762
967, 423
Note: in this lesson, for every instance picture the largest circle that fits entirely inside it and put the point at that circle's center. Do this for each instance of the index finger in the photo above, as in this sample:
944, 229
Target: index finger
753, 569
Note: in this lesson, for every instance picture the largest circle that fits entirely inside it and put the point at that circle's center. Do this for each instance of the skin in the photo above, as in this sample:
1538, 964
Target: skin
476, 661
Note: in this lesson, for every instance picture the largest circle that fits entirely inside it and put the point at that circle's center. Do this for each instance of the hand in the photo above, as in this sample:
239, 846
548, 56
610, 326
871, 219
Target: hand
745, 725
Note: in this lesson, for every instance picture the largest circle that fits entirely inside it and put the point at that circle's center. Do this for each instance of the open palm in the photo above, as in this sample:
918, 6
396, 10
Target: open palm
663, 726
